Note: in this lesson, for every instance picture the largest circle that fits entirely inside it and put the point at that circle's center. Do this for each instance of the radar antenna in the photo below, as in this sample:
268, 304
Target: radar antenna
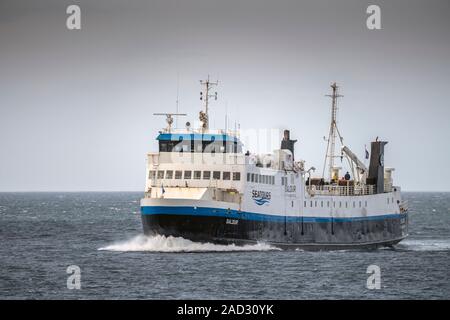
204, 96
169, 118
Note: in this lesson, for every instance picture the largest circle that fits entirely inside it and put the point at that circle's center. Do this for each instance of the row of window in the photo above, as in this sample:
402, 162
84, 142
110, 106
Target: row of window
206, 175
200, 146
196, 174
260, 178
216, 175
315, 204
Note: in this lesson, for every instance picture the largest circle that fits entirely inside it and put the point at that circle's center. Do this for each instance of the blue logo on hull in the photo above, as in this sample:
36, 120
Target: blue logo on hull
261, 197
261, 201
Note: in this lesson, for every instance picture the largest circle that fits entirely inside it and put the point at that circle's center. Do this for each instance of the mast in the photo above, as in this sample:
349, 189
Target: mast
205, 95
177, 102
330, 155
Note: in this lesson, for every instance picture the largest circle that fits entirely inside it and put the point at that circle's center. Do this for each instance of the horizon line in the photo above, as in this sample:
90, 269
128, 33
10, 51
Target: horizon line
136, 191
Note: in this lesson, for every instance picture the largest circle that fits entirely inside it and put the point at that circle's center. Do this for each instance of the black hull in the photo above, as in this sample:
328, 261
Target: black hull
334, 235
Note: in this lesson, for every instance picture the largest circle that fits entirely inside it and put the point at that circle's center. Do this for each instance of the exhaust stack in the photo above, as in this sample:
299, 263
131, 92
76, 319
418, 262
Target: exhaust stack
287, 143
376, 168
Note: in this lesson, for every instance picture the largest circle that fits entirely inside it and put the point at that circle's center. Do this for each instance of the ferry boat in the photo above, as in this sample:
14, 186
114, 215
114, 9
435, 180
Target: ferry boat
201, 186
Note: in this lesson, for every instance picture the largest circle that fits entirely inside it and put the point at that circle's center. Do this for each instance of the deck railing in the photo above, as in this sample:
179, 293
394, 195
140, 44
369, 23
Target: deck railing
404, 206
229, 132
336, 190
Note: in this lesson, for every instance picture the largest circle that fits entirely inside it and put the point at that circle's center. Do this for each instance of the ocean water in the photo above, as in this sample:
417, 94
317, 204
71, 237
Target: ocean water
41, 234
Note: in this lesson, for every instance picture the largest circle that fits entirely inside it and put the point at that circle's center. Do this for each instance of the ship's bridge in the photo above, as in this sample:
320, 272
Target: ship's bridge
218, 142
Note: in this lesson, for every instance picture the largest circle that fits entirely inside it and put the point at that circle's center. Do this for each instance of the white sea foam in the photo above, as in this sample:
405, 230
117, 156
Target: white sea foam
173, 244
424, 245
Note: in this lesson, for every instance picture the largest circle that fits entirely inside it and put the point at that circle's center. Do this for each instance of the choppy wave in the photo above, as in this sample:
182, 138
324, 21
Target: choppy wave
424, 245
174, 244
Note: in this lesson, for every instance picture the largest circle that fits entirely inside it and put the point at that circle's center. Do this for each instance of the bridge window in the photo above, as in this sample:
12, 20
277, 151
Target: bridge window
360, 204
216, 175
365, 203
236, 176
354, 204
206, 175
178, 174
185, 148
178, 146
226, 175
321, 204
212, 145
310, 204
169, 174
248, 176
304, 204
328, 204
152, 174
161, 174
197, 175
198, 147
167, 146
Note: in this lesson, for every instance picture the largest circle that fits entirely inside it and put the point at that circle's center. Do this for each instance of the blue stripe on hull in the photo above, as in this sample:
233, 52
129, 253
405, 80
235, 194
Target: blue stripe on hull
234, 214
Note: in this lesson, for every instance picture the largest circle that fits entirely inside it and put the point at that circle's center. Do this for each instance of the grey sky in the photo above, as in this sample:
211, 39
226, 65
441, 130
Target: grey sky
76, 106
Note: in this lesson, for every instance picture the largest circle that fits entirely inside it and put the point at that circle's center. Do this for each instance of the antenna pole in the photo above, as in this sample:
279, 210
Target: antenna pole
177, 102
205, 95
333, 131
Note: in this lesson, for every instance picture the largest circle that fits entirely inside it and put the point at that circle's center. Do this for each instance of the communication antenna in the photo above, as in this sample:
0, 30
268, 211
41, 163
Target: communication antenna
177, 102
204, 96
226, 116
334, 131
169, 118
